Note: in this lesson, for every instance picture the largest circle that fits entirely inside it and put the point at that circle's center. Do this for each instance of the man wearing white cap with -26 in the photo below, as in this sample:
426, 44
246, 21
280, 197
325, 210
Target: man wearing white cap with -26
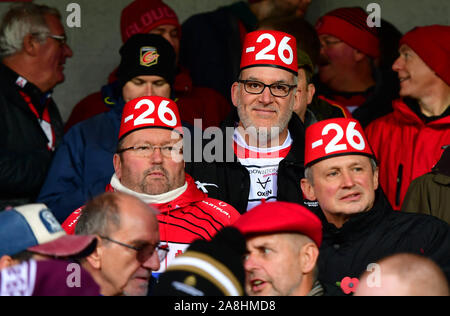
359, 225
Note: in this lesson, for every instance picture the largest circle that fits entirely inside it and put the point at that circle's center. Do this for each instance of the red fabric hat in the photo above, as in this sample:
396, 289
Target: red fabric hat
150, 112
280, 217
350, 26
270, 48
432, 44
141, 16
335, 137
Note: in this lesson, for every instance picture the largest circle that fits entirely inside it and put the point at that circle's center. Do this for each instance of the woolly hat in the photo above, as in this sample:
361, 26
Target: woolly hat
432, 44
142, 16
350, 26
280, 217
207, 268
146, 55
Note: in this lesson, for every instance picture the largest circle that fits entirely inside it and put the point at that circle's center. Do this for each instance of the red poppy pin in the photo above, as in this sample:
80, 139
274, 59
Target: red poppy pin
348, 285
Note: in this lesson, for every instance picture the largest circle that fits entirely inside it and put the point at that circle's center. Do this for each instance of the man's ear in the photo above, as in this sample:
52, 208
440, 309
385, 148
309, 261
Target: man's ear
235, 93
358, 56
311, 92
309, 254
117, 166
308, 189
30, 45
95, 258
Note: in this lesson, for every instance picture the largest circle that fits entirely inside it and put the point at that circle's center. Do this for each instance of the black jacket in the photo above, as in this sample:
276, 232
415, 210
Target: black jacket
24, 157
230, 181
368, 237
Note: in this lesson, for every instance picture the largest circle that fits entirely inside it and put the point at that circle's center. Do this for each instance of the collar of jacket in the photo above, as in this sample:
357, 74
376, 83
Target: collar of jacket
38, 98
360, 224
407, 110
191, 196
296, 128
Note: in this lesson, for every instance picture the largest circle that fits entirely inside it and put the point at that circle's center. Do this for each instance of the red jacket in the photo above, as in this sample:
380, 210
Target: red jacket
406, 148
190, 216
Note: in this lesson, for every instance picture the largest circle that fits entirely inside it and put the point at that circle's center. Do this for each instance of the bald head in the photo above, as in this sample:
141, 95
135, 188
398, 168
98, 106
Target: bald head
404, 275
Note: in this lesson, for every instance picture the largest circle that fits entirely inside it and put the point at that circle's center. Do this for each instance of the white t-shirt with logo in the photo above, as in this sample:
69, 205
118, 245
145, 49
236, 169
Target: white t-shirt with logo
262, 166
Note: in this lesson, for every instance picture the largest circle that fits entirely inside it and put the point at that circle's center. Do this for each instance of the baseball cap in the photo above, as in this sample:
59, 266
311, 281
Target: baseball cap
335, 137
33, 227
280, 217
269, 48
142, 16
150, 112
47, 278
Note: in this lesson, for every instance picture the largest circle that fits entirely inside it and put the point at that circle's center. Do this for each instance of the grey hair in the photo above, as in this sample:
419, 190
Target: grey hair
21, 20
310, 178
100, 215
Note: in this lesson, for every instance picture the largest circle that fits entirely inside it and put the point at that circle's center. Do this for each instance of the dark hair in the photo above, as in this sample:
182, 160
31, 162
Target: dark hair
302, 30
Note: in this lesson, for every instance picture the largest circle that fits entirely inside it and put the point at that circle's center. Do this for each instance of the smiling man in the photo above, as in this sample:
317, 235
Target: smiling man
261, 142
33, 50
359, 225
409, 142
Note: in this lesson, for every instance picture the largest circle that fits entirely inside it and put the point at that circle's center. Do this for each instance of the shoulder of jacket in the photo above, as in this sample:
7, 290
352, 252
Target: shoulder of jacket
219, 207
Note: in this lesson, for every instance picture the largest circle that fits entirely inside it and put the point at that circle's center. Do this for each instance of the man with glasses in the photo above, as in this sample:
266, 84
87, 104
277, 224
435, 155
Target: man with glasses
149, 165
33, 50
348, 73
262, 140
82, 166
127, 243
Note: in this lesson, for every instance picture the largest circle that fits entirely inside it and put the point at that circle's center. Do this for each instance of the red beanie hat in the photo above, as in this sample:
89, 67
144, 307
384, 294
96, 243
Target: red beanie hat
350, 26
280, 217
142, 16
432, 44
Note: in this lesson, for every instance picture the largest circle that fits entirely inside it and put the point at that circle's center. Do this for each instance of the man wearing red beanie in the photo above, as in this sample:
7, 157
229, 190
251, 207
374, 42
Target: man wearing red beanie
347, 72
409, 141
283, 241
195, 102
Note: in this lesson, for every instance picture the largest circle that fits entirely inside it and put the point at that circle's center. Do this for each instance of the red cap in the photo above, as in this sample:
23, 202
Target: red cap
335, 137
150, 112
432, 44
350, 26
66, 246
270, 48
142, 16
280, 217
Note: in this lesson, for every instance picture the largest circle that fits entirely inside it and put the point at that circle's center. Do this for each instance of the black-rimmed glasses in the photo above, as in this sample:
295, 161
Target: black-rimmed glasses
276, 89
145, 252
62, 39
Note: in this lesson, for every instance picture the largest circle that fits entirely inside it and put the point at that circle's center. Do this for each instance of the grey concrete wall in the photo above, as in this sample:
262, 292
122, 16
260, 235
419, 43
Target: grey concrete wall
96, 43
